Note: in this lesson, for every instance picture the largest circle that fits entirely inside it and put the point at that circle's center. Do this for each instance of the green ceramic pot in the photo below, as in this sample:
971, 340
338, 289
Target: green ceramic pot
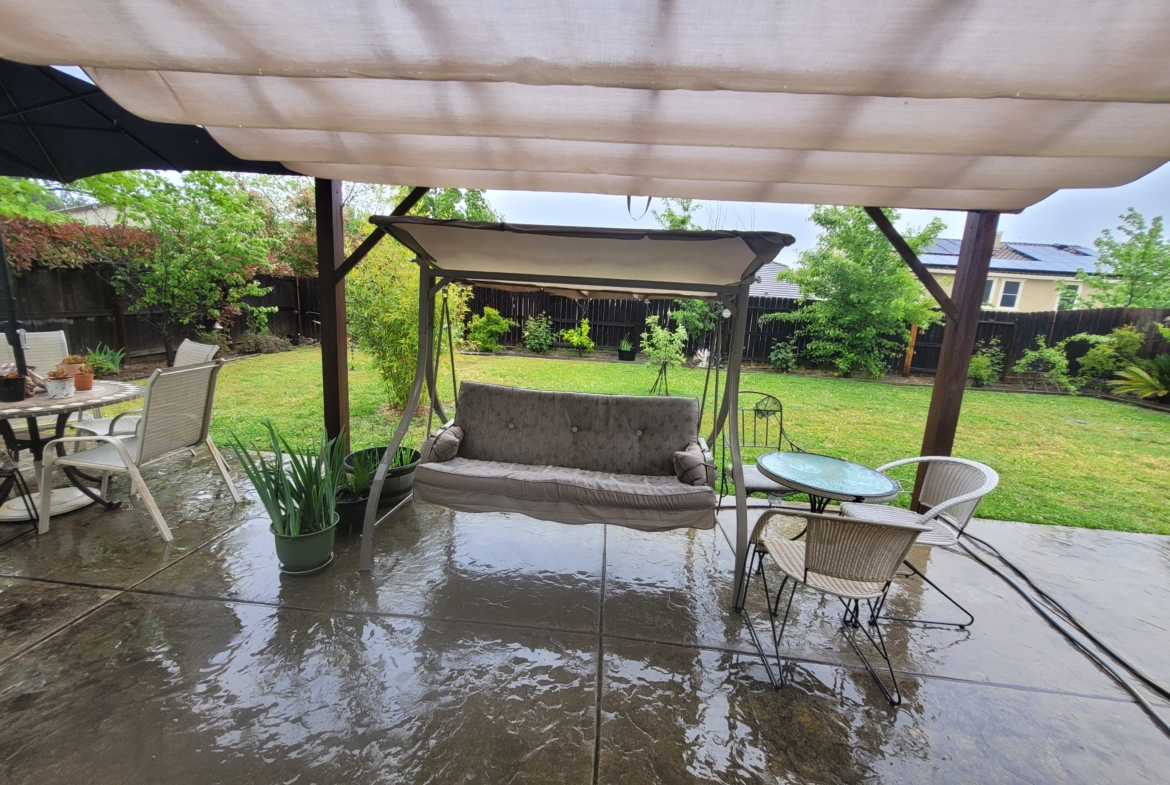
305, 552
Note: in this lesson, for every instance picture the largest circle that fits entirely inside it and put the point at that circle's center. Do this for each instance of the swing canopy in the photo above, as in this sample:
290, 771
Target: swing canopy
582, 262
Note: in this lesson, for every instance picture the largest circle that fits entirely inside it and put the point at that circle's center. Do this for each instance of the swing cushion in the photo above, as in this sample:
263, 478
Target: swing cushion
571, 458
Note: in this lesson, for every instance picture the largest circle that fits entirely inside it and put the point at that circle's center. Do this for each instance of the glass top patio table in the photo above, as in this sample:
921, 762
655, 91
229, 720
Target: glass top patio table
824, 478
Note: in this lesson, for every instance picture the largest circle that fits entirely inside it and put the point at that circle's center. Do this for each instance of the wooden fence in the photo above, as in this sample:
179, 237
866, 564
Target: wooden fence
82, 304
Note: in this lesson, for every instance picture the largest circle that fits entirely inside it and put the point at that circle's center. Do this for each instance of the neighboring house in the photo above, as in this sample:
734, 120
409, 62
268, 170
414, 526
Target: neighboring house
92, 214
766, 284
1023, 276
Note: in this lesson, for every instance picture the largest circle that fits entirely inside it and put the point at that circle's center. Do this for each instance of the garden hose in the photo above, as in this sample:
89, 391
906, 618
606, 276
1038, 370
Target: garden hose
1060, 627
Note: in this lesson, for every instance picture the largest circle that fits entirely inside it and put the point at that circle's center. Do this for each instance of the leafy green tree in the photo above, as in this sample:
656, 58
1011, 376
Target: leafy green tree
858, 297
1130, 272
210, 242
663, 349
23, 198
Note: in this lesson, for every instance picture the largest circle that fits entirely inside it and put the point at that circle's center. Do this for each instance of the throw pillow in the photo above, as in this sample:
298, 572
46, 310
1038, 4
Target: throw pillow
446, 444
690, 465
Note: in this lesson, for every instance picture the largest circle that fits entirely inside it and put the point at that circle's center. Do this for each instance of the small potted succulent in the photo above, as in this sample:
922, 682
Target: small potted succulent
399, 477
299, 492
72, 364
626, 350
355, 491
59, 384
12, 384
83, 379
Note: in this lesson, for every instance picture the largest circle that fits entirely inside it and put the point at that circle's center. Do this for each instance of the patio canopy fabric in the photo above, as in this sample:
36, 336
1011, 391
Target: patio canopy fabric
580, 262
986, 105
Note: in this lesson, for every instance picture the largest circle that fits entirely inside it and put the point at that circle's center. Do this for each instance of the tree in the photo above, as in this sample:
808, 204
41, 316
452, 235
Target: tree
210, 242
23, 198
382, 295
858, 298
1133, 272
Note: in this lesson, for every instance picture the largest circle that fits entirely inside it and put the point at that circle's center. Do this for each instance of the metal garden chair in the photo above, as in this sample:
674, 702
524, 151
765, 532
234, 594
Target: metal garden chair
188, 353
849, 559
44, 351
761, 428
176, 416
952, 488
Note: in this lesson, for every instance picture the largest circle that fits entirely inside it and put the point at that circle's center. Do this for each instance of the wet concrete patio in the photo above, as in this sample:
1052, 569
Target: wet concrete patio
495, 648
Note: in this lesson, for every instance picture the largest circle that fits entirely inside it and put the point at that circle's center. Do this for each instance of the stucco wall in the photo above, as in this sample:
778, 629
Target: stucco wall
1037, 292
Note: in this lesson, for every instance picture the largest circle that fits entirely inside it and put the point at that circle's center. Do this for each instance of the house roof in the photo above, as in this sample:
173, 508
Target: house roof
766, 284
1033, 258
981, 105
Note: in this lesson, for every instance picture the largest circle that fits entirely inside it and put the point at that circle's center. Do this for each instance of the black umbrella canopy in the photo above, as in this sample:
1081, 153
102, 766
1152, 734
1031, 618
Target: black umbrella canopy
56, 127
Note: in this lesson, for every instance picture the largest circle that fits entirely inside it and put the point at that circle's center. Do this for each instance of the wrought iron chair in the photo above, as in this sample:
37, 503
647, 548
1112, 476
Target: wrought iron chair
188, 353
849, 559
176, 416
761, 428
952, 489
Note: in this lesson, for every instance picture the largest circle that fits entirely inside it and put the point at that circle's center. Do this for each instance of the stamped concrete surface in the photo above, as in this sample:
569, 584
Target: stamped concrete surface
496, 648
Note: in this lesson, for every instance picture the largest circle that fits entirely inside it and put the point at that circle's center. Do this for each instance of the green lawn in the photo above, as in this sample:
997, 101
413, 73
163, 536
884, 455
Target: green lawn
1062, 460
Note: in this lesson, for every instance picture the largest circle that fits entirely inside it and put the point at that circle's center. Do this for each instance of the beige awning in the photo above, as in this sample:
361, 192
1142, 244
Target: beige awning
987, 104
587, 262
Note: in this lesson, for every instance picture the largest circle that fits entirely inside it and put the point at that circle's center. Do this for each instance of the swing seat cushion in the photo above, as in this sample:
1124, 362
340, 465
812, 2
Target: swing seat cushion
571, 458
565, 495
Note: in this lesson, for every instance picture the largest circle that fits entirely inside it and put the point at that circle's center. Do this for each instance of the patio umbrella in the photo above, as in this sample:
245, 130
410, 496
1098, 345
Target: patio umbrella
56, 127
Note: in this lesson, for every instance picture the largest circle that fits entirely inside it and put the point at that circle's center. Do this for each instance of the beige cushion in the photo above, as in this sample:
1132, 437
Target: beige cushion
557, 493
690, 465
446, 444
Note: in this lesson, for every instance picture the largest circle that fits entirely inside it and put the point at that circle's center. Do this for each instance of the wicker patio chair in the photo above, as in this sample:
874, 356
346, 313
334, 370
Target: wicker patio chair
952, 489
176, 417
188, 353
852, 560
761, 428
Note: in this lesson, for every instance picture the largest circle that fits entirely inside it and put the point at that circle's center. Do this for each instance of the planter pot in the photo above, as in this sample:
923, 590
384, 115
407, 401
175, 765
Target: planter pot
83, 382
72, 369
305, 552
294, 339
12, 390
59, 388
351, 515
627, 356
398, 481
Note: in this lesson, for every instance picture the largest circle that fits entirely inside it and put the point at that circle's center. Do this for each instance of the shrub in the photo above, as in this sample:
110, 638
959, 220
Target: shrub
538, 334
663, 349
579, 338
105, 360
263, 343
1050, 362
986, 364
1150, 382
782, 358
220, 338
1108, 354
485, 330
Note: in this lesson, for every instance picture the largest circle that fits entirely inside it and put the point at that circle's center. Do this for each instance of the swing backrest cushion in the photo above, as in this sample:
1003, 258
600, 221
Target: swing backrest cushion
623, 434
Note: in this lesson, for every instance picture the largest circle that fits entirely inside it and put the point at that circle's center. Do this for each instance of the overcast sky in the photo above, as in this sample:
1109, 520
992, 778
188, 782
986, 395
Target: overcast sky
1075, 217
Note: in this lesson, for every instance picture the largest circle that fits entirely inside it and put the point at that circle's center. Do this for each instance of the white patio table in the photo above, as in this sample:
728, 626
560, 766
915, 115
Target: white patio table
104, 393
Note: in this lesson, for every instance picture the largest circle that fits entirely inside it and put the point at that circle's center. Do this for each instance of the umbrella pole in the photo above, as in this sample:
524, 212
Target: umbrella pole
11, 325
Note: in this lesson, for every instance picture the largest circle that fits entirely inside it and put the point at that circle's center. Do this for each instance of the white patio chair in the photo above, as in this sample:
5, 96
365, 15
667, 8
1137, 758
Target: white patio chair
188, 353
45, 352
849, 559
176, 416
952, 489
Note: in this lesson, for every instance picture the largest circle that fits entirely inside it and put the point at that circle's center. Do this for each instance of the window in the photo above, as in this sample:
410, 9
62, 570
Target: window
1068, 296
987, 287
1011, 294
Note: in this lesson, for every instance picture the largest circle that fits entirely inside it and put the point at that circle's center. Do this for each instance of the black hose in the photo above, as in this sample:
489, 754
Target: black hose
1052, 619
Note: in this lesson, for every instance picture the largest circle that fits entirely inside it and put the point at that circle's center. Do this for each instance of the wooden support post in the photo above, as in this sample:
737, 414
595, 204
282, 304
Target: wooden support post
909, 358
958, 342
331, 285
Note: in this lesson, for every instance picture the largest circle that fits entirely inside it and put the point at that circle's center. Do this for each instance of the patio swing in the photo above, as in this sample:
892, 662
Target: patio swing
635, 461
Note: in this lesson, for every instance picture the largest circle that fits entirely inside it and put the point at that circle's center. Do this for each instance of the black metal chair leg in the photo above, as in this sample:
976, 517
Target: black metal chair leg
852, 624
751, 627
915, 571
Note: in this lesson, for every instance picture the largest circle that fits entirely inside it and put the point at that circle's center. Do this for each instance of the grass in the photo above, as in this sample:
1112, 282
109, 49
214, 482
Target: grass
1062, 460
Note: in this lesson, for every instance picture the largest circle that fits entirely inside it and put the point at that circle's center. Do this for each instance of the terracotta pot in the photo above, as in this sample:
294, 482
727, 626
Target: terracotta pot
72, 370
83, 382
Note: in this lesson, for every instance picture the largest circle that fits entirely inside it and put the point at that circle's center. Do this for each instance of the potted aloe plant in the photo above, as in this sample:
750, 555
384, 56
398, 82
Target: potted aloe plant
299, 492
399, 475
355, 490
626, 350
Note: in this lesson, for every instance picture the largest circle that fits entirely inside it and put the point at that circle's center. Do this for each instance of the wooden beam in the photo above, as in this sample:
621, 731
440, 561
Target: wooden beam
916, 266
334, 342
950, 380
359, 253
